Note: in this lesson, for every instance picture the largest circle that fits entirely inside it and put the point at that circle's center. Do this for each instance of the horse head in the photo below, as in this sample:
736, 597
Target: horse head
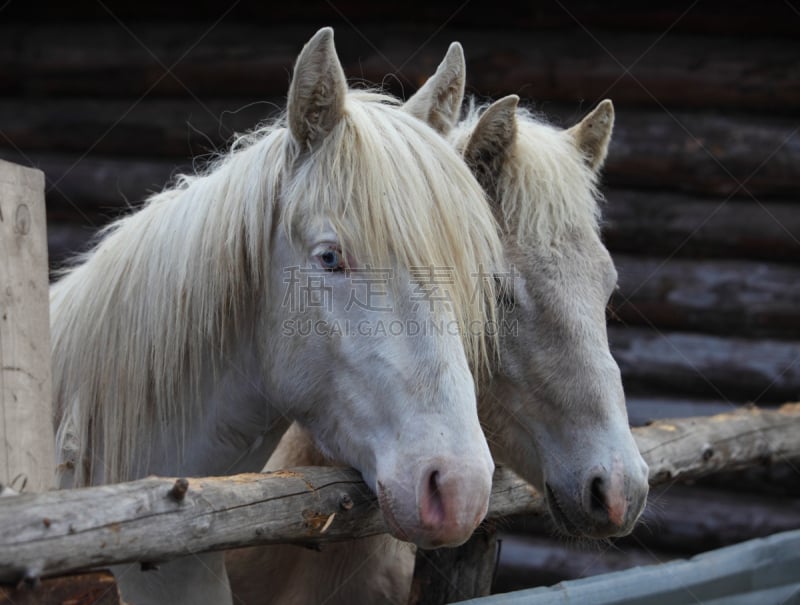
557, 407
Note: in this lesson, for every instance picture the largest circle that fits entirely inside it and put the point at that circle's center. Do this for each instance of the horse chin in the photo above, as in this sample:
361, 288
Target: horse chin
563, 522
385, 502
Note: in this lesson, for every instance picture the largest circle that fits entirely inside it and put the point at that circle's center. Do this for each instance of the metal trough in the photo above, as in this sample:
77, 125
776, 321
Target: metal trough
765, 571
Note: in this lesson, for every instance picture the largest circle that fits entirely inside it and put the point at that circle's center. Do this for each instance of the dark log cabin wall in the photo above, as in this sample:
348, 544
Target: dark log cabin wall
702, 181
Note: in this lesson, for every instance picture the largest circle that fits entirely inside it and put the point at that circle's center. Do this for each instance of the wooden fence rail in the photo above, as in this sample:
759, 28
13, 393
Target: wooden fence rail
156, 519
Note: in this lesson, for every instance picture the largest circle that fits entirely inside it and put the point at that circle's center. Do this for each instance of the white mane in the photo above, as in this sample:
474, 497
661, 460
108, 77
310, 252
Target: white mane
546, 188
146, 318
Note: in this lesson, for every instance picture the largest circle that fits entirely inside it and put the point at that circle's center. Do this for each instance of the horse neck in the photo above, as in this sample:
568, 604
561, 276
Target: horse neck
143, 328
237, 428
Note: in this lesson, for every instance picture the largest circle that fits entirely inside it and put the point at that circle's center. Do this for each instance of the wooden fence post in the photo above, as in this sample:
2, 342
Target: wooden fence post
26, 431
447, 575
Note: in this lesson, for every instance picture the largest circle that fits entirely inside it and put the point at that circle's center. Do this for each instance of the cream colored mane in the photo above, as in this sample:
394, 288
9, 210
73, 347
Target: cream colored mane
546, 187
145, 320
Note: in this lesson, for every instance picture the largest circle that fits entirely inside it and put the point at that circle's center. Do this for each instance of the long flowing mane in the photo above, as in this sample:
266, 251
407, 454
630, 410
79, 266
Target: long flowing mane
141, 321
546, 188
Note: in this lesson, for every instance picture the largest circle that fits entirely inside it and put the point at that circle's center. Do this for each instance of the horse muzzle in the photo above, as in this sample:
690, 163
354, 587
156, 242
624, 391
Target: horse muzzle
607, 503
441, 506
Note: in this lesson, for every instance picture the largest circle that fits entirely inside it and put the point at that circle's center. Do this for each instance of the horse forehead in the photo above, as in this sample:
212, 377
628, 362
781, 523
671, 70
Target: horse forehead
574, 250
577, 265
313, 226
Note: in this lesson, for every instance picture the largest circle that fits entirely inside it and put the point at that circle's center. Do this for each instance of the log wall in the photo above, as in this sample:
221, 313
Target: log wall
701, 181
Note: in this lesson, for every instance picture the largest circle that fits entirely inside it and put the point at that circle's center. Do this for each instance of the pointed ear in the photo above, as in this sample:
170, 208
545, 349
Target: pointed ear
491, 142
438, 102
317, 92
593, 133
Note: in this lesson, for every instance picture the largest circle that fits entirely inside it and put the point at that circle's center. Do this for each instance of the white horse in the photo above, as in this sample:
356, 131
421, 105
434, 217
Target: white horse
553, 408
230, 305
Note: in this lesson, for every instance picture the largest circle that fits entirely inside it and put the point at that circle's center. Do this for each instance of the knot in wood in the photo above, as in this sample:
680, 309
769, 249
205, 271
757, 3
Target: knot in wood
22, 220
707, 453
662, 476
31, 577
345, 502
178, 491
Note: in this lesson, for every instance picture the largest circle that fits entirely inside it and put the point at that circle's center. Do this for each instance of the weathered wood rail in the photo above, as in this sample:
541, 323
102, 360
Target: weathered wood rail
157, 518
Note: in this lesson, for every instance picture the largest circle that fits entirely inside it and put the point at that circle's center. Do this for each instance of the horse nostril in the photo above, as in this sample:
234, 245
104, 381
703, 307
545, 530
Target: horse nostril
433, 482
607, 500
432, 511
597, 498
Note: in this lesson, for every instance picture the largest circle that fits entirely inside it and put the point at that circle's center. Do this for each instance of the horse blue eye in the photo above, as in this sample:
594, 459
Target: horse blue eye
331, 260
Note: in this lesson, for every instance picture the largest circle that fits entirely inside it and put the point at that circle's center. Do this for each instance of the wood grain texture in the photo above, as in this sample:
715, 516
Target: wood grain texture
667, 223
448, 575
635, 222
249, 59
58, 532
725, 155
730, 368
727, 297
706, 153
26, 433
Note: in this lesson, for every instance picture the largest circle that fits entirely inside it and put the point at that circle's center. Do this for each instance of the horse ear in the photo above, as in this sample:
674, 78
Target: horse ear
438, 102
491, 141
317, 91
593, 133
